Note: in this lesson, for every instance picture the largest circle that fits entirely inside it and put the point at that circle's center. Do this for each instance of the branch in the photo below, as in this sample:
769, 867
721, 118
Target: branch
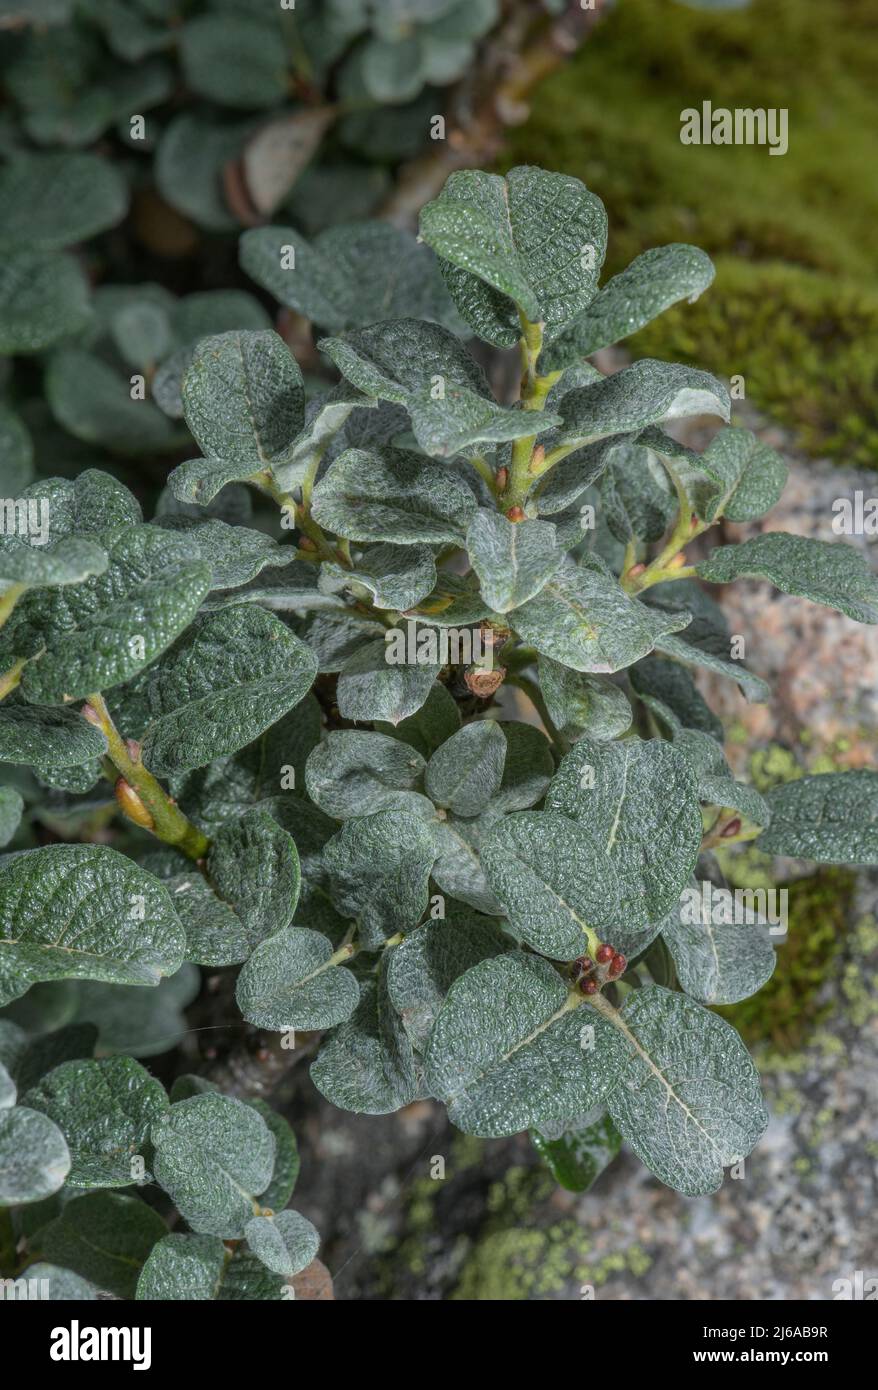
495, 95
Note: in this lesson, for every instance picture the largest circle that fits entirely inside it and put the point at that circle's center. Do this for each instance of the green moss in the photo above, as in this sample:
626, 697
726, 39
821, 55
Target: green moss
516, 1264
785, 1010
796, 298
802, 342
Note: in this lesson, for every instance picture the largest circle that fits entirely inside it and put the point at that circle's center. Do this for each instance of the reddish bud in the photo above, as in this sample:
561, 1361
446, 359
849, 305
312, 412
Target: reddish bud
676, 562
306, 543
618, 965
134, 749
502, 478
132, 805
90, 713
604, 953
731, 828
538, 458
515, 514
588, 985
584, 964
635, 570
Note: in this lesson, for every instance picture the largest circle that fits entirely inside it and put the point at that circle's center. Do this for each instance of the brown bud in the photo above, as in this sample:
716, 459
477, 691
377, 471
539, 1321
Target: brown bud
731, 828
306, 543
90, 713
134, 749
482, 682
604, 953
537, 459
635, 570
588, 985
502, 478
132, 805
515, 514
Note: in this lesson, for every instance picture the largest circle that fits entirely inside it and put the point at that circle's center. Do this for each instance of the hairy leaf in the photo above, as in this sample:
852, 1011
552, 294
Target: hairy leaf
392, 496
34, 1158
243, 397
213, 1155
286, 1243
639, 802
584, 619
467, 770
533, 238
512, 560
104, 1109
291, 981
84, 912
644, 289
831, 818
231, 676
823, 571
508, 1049
689, 1102
106, 1238
555, 880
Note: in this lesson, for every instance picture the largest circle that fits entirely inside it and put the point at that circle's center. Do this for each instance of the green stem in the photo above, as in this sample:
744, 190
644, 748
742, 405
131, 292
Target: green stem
11, 678
485, 471
9, 599
168, 821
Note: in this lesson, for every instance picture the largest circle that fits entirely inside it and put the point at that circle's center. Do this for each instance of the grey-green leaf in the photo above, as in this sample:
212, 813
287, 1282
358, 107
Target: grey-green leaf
367, 1064
84, 912
823, 571
689, 1102
11, 808
423, 968
510, 1049
106, 630
106, 1238
379, 868
579, 703
644, 289
292, 981
370, 687
286, 1243
213, 1155
466, 772
348, 276
243, 397
584, 619
34, 1158
638, 396
717, 962
752, 475
354, 773
393, 576
394, 496
831, 818
639, 801
534, 238
556, 881
104, 1109
231, 676
50, 736
253, 865
43, 298
513, 560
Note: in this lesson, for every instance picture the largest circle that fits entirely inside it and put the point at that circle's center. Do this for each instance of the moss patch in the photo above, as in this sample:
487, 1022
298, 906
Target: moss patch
796, 299
785, 1011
